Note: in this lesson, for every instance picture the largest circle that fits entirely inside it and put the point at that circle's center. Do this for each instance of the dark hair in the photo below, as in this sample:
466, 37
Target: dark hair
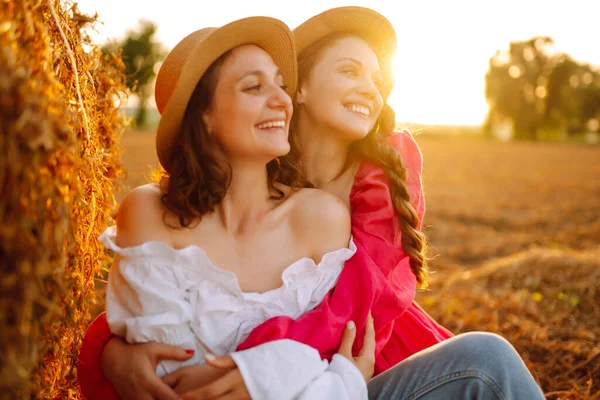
373, 148
198, 180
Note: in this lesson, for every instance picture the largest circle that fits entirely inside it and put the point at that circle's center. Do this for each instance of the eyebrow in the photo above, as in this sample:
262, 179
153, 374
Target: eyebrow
257, 72
350, 59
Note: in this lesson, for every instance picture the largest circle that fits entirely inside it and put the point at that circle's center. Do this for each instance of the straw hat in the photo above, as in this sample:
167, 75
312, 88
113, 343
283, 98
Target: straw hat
363, 22
187, 62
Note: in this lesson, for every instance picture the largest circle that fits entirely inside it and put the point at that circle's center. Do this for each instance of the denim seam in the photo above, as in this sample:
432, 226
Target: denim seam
459, 375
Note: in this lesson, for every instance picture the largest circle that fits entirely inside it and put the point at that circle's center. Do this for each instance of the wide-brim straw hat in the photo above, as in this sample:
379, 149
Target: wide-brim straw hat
363, 22
187, 62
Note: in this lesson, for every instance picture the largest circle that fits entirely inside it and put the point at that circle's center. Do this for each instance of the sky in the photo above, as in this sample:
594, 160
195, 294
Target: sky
443, 46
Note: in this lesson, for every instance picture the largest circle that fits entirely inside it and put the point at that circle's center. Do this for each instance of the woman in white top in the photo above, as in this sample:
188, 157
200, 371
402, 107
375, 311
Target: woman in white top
228, 238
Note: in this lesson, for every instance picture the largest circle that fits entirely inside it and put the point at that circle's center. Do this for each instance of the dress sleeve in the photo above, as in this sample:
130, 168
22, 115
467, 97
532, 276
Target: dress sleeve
412, 332
286, 370
375, 223
146, 302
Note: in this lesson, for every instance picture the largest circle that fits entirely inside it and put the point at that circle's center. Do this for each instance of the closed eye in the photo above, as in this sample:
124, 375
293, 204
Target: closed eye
254, 88
349, 71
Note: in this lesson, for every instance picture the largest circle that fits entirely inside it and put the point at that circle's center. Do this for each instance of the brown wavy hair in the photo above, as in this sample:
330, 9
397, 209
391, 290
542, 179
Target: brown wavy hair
373, 148
198, 179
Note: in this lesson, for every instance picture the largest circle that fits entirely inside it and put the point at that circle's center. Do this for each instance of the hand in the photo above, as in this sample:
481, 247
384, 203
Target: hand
365, 362
131, 368
230, 386
193, 377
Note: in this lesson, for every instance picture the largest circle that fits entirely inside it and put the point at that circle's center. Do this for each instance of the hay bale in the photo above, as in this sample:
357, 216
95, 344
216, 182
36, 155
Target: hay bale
59, 132
546, 302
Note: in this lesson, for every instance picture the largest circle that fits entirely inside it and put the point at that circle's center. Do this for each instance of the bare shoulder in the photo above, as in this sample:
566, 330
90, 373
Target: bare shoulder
140, 217
322, 220
319, 204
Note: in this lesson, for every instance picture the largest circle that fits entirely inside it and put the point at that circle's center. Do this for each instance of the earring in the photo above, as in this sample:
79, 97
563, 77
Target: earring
299, 97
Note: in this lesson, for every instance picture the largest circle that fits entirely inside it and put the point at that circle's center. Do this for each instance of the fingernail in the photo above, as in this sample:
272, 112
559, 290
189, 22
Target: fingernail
210, 357
350, 325
190, 351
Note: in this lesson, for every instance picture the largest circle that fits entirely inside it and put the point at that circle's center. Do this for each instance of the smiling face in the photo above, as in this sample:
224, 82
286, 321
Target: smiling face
342, 90
250, 112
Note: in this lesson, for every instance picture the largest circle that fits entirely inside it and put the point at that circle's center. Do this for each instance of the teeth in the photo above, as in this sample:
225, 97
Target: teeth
359, 109
271, 124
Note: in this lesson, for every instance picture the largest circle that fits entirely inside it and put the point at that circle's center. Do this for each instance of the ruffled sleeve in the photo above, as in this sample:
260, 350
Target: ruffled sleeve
146, 298
286, 370
167, 323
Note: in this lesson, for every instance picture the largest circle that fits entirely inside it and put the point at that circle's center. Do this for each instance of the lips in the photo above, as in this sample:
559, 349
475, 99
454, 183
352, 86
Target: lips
359, 109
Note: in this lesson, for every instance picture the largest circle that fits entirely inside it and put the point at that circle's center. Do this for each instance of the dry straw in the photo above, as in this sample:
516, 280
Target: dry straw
545, 302
59, 133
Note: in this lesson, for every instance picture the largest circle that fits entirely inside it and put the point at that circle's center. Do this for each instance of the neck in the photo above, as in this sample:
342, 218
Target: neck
324, 155
247, 198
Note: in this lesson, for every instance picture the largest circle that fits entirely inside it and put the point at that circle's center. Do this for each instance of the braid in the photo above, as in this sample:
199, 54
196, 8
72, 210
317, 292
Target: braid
373, 148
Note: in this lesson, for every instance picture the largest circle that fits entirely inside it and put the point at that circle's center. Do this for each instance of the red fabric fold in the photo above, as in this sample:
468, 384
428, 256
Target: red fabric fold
92, 382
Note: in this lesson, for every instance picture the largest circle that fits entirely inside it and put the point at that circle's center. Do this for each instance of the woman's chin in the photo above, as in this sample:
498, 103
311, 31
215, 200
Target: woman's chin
279, 151
355, 134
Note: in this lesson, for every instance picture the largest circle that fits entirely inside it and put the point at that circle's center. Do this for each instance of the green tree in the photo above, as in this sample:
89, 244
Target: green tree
533, 88
141, 52
573, 95
516, 85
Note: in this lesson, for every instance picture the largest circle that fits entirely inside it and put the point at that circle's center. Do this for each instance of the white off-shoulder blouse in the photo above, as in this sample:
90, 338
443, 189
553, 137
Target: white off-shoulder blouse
179, 297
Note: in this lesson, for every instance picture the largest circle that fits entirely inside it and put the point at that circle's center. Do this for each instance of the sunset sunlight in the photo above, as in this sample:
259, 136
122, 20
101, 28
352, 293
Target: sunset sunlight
213, 200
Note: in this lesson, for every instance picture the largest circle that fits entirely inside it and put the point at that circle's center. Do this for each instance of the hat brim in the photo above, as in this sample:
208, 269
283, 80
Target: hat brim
363, 22
270, 34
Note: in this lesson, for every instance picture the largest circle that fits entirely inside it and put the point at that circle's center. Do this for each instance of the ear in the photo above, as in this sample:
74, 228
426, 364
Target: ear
207, 122
301, 95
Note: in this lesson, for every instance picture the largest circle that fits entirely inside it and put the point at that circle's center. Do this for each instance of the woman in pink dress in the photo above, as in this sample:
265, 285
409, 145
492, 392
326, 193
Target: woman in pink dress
343, 137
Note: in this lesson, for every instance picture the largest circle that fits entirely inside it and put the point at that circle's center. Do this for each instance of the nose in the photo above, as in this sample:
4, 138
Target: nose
279, 98
367, 88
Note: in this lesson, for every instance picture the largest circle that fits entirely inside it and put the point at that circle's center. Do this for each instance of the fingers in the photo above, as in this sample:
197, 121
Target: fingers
167, 352
219, 362
172, 379
161, 391
347, 340
369, 338
215, 389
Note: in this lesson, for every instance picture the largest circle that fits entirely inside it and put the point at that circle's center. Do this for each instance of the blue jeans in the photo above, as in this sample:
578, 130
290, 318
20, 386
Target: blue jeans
473, 365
